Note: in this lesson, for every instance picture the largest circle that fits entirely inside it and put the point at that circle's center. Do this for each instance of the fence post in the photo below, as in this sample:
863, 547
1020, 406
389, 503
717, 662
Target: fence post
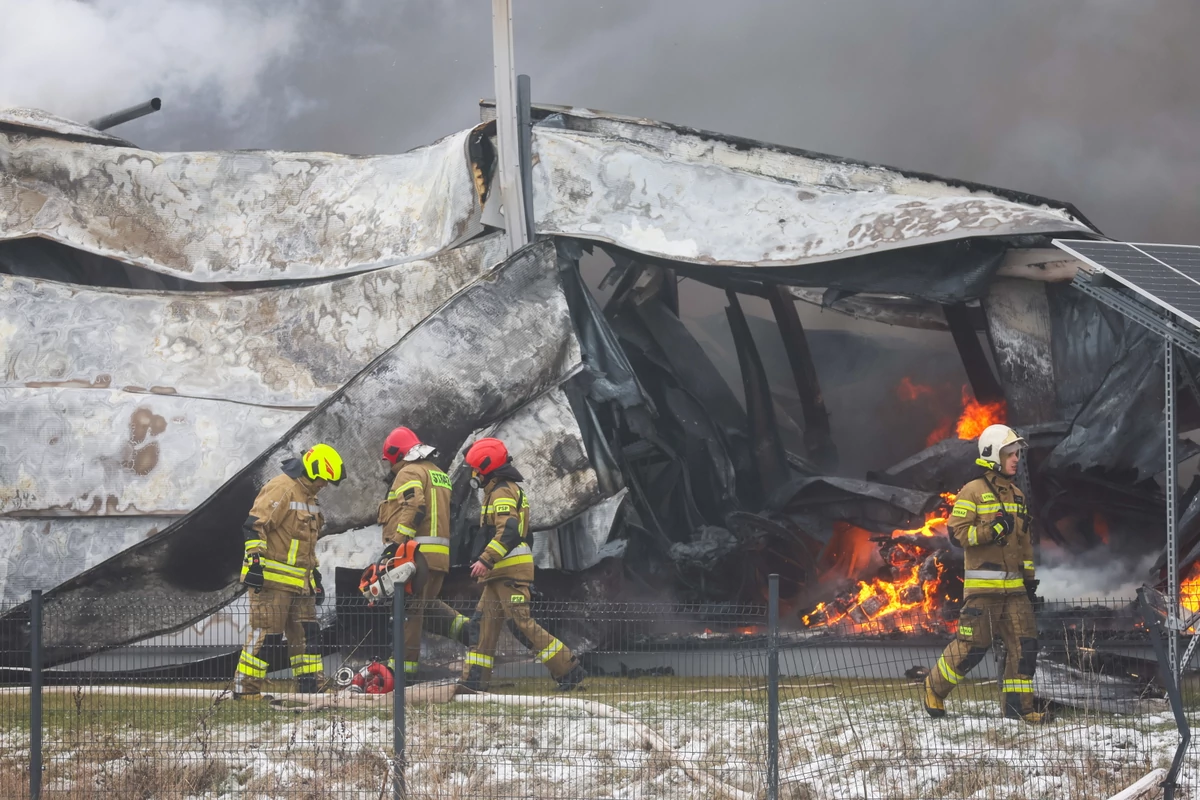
1166, 673
399, 790
773, 687
35, 695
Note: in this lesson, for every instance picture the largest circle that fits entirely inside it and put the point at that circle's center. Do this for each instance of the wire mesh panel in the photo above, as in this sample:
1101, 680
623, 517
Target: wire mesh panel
855, 725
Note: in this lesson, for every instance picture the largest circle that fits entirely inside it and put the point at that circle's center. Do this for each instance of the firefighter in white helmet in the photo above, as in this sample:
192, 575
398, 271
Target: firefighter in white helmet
992, 524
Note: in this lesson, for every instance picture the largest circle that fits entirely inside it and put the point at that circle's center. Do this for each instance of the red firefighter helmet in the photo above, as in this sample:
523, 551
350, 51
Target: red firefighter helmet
487, 455
398, 443
375, 678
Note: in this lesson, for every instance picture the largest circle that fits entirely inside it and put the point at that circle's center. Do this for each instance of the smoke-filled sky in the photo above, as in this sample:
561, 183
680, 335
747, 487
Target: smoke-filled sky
1095, 102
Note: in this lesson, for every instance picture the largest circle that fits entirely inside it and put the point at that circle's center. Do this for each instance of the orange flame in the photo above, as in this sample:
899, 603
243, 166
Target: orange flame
975, 416
907, 602
1189, 589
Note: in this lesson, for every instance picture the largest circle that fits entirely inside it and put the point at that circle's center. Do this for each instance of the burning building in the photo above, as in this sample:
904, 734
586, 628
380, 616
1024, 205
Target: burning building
174, 324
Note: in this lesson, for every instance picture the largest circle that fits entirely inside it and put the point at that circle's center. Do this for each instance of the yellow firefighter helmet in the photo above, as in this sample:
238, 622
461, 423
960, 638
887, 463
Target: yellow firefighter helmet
323, 462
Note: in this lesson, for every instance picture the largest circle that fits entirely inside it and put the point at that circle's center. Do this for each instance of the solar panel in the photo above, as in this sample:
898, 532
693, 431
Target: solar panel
1167, 275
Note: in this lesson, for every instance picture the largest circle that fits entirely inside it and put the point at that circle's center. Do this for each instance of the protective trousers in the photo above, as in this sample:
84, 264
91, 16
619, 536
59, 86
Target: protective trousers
427, 612
274, 612
503, 600
982, 615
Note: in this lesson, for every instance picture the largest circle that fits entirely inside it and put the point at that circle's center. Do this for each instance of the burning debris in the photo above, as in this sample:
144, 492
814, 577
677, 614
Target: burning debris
917, 589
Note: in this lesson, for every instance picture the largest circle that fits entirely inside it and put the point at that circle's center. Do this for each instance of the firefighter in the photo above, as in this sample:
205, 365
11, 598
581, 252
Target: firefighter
417, 509
281, 567
991, 522
505, 567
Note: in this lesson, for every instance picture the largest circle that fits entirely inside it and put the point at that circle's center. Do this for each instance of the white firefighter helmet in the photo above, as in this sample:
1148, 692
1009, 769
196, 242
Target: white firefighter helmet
994, 439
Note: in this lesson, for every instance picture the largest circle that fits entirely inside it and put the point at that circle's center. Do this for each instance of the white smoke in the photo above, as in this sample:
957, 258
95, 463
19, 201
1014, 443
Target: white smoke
1095, 575
83, 59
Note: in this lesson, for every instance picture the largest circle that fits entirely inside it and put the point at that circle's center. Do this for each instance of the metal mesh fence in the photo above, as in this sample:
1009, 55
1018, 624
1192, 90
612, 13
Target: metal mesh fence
677, 704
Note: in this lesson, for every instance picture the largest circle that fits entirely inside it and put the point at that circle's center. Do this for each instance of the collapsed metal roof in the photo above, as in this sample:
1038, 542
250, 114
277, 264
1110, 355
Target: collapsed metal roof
170, 403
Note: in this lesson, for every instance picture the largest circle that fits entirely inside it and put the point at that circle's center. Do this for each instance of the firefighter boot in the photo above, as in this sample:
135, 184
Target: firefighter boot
1013, 710
474, 679
934, 706
572, 679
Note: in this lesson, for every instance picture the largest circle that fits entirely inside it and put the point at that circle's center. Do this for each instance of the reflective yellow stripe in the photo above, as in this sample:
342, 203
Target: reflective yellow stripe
404, 530
1028, 565
253, 544
550, 651
500, 549
984, 583
436, 548
279, 566
286, 580
478, 659
312, 509
521, 554
254, 667
972, 536
293, 549
967, 504
1022, 686
989, 508
399, 490
457, 625
410, 667
950, 675
306, 664
1015, 508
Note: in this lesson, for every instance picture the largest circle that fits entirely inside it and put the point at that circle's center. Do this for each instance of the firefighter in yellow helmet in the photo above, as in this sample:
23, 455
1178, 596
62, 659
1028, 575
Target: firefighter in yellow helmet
506, 569
417, 509
991, 522
280, 567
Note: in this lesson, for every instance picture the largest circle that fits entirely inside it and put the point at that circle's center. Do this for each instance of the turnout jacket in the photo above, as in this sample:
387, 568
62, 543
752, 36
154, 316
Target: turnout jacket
282, 530
991, 567
505, 514
418, 507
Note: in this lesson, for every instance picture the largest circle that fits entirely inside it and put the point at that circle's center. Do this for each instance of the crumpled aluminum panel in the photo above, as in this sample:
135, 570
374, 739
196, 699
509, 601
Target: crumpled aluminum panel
496, 345
42, 553
683, 196
546, 445
97, 451
278, 347
39, 123
239, 215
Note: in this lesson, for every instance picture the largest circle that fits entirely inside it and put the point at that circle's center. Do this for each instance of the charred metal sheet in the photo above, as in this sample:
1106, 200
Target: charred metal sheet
815, 503
42, 553
99, 451
239, 215
1020, 333
276, 347
1120, 429
35, 122
683, 197
769, 456
582, 542
903, 312
983, 382
1085, 341
495, 346
818, 441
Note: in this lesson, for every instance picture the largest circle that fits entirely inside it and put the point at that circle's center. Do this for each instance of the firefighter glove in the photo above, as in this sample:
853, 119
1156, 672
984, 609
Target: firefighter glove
1001, 528
318, 589
254, 575
1031, 585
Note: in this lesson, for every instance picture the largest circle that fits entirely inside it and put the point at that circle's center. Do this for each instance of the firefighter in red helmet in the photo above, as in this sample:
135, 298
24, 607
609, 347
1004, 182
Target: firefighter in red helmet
505, 567
417, 509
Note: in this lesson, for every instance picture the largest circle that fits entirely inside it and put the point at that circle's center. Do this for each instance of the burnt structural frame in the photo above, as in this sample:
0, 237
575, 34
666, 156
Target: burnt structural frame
1177, 330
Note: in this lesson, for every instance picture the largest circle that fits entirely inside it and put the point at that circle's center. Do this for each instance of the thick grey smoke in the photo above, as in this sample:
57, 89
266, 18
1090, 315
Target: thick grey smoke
1090, 101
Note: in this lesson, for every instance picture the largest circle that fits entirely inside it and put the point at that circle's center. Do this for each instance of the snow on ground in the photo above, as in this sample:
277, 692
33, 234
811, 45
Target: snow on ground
834, 744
